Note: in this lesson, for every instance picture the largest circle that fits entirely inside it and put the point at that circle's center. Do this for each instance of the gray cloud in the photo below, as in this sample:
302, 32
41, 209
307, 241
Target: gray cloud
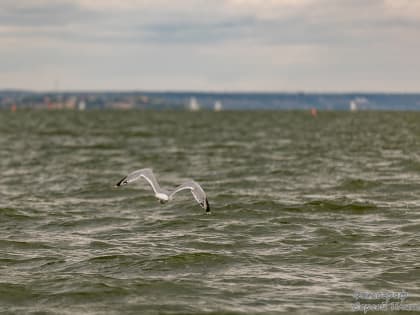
44, 15
306, 44
322, 21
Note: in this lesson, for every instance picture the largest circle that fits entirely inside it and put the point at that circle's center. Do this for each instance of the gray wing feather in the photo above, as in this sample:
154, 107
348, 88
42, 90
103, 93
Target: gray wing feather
197, 192
145, 173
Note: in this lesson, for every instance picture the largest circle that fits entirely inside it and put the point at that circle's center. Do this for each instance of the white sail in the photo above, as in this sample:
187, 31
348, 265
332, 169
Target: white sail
193, 105
218, 106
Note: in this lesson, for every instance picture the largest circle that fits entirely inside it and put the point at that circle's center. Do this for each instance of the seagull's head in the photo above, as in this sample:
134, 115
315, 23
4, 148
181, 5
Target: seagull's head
122, 182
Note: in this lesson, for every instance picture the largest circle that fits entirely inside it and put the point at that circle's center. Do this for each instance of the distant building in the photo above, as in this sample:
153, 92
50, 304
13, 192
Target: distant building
70, 103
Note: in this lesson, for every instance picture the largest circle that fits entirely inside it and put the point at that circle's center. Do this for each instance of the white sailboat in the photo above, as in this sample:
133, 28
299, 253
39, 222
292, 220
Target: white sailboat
357, 103
193, 105
218, 106
82, 105
353, 106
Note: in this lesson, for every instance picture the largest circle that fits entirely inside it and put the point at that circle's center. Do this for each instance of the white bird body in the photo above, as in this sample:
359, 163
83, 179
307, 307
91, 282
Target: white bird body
163, 195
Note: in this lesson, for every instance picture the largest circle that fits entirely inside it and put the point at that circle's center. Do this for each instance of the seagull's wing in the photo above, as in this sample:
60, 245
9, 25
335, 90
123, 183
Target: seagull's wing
145, 173
196, 191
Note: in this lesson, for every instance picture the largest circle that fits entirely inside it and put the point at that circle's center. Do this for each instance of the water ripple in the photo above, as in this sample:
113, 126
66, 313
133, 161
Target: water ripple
304, 212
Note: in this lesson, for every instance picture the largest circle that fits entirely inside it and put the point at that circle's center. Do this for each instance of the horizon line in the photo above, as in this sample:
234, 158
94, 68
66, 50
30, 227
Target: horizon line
182, 91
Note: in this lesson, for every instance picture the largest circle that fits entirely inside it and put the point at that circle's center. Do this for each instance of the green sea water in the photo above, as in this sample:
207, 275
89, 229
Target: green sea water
307, 212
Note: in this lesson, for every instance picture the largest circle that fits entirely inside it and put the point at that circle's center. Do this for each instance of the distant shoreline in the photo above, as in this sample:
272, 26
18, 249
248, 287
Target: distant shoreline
207, 100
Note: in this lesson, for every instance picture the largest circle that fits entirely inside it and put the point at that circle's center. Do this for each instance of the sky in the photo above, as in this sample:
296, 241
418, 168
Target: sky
211, 45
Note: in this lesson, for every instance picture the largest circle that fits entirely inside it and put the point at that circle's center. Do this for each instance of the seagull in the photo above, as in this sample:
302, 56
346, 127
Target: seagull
164, 195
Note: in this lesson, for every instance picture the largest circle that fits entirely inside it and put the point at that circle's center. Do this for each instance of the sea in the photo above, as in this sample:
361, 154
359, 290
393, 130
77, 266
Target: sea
310, 214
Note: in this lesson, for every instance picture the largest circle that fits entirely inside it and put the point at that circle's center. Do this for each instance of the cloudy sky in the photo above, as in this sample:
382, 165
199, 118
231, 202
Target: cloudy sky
211, 45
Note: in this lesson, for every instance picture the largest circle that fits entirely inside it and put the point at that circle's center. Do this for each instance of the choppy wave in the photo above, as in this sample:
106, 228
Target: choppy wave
305, 211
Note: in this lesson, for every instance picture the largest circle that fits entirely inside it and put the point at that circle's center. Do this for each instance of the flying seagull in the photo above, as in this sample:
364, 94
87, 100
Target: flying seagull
164, 195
